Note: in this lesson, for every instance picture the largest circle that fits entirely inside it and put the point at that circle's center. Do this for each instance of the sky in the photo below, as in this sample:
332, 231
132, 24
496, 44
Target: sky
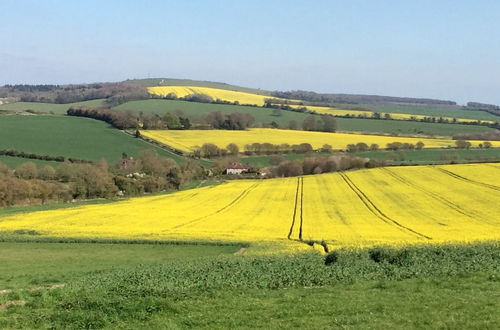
423, 48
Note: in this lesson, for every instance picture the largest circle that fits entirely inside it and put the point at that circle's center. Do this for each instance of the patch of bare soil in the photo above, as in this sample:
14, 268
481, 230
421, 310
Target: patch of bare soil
240, 251
12, 303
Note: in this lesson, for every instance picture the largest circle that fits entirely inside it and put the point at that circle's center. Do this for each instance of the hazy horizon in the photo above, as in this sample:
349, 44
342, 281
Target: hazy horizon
445, 50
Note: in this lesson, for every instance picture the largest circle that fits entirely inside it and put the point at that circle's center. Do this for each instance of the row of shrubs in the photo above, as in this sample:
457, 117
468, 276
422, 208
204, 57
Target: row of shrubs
22, 154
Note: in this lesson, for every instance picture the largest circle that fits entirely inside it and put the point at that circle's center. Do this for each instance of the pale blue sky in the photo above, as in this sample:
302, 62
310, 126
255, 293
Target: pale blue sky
441, 49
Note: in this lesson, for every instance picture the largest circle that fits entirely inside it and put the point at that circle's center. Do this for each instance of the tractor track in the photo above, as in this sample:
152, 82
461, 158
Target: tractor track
459, 177
294, 209
299, 204
243, 194
445, 201
376, 211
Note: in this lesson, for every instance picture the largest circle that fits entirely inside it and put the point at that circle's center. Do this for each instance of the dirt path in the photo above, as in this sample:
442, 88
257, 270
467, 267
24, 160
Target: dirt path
12, 303
240, 251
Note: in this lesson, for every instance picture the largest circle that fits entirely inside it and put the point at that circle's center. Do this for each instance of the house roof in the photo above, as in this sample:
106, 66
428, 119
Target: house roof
238, 166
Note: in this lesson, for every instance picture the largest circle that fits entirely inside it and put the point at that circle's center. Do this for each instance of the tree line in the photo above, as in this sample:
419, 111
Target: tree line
22, 154
148, 173
318, 165
210, 150
113, 93
491, 136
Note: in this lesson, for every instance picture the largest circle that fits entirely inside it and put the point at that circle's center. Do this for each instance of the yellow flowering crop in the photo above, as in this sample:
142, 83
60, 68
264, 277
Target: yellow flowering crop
187, 140
214, 93
369, 114
394, 206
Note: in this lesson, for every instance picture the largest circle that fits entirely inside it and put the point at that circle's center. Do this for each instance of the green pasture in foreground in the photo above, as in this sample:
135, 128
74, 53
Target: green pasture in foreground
180, 287
25, 265
74, 137
55, 108
264, 116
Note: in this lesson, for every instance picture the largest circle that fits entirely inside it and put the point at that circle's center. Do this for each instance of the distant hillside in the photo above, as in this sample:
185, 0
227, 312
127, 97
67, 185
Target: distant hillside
199, 83
135, 89
329, 98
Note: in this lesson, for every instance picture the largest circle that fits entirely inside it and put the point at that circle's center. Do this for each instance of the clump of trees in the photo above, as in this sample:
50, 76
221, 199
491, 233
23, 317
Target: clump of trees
148, 173
326, 123
22, 154
210, 150
318, 165
230, 121
269, 148
462, 144
361, 146
404, 146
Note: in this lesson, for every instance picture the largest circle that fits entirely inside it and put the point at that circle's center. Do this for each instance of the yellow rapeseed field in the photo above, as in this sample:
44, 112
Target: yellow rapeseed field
215, 93
187, 140
369, 114
395, 206
256, 99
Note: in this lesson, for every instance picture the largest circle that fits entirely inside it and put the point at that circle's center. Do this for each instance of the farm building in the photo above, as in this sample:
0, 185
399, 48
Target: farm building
237, 168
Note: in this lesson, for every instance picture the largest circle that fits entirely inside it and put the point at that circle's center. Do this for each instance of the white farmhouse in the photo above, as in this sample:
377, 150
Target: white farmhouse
237, 168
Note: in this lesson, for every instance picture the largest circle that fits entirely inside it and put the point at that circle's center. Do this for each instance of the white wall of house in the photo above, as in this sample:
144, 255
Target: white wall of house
236, 170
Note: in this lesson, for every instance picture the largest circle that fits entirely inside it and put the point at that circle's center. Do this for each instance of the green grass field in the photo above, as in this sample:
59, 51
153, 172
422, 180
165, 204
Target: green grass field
58, 109
433, 156
130, 286
437, 112
261, 115
405, 157
25, 265
265, 116
80, 138
402, 127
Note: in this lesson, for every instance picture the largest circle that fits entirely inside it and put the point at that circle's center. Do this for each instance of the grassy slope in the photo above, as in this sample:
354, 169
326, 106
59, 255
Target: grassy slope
70, 137
429, 111
402, 127
31, 264
48, 107
425, 156
264, 116
261, 115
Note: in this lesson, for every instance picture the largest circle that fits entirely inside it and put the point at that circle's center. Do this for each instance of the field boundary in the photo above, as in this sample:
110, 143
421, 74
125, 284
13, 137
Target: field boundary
8, 237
